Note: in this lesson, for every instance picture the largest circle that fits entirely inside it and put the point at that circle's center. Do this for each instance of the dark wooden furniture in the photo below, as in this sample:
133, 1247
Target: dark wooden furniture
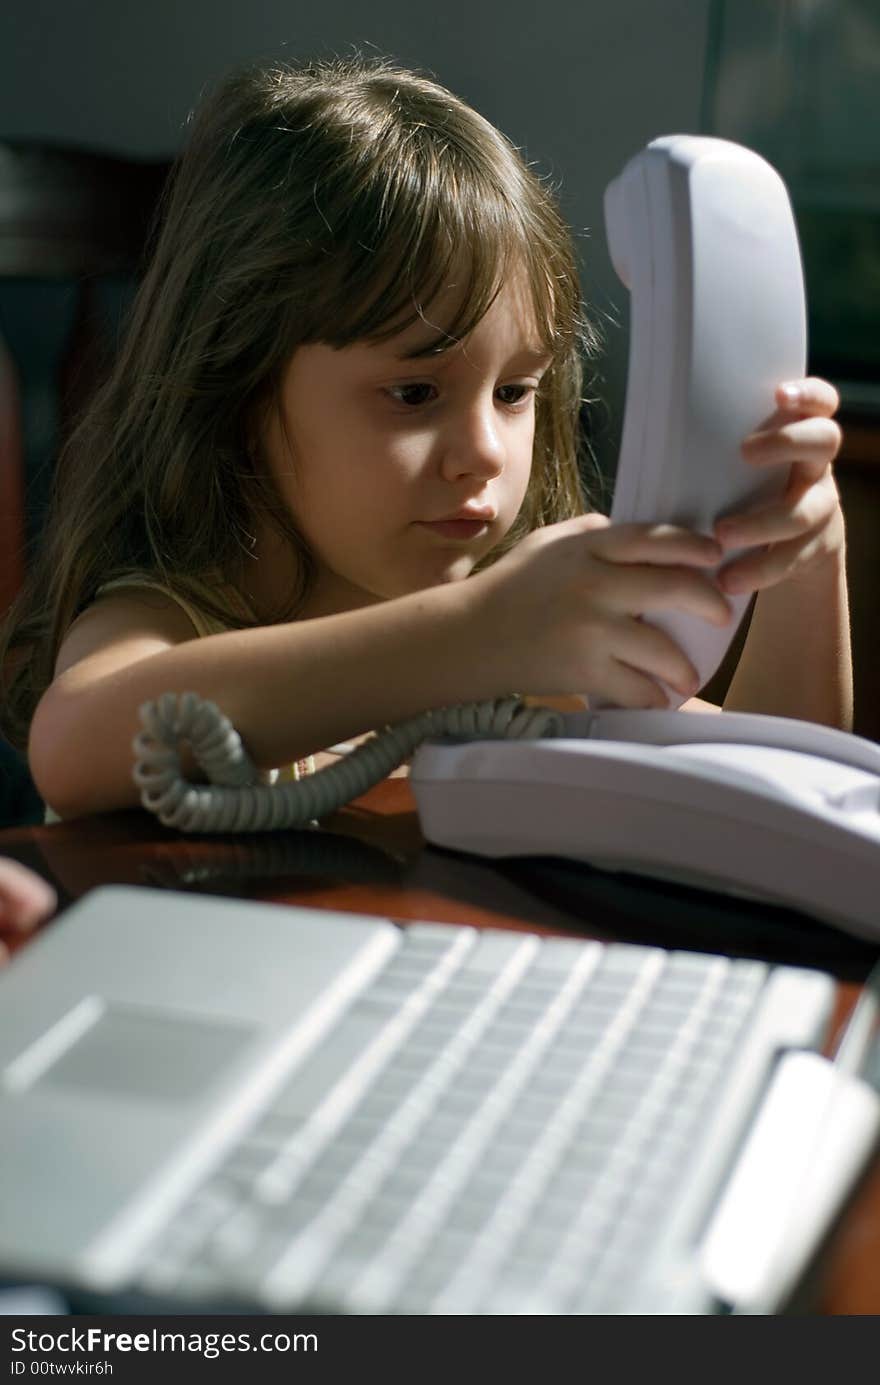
73, 230
74, 225
370, 858
858, 477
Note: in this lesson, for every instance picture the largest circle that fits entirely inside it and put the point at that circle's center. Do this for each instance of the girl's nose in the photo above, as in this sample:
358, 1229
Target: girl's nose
473, 445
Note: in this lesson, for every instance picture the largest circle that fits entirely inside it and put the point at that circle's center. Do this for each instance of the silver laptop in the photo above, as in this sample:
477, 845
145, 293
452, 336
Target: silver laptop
213, 1104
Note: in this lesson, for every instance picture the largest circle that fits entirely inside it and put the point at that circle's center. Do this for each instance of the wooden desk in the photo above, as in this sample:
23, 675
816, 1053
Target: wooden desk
858, 477
371, 858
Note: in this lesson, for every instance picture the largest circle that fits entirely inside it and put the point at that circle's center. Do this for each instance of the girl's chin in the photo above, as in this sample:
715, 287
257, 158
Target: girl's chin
452, 570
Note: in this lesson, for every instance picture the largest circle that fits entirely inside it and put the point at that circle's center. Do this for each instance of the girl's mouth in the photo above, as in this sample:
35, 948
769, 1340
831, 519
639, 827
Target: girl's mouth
457, 529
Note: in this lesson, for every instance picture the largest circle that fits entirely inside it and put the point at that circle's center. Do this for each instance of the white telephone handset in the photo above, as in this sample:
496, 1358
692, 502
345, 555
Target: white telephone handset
703, 233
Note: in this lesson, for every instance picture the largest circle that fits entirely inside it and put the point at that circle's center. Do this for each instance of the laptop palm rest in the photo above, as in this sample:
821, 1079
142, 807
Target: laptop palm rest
137, 1043
106, 1055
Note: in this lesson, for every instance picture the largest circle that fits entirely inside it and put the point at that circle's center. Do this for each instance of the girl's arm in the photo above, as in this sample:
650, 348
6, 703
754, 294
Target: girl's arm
561, 611
796, 660
288, 689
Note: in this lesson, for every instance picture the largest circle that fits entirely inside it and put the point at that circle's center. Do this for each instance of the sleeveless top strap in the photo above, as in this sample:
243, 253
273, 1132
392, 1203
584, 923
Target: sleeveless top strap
204, 623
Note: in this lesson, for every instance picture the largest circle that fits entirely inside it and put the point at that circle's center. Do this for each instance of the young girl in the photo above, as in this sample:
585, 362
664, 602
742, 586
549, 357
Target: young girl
351, 381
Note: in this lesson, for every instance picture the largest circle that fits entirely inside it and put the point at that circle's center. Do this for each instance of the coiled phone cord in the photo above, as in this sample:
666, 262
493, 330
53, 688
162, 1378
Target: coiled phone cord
235, 799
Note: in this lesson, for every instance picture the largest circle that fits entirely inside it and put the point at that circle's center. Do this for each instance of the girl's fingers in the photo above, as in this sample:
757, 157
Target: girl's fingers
642, 648
811, 443
25, 897
635, 590
810, 396
660, 544
767, 566
623, 686
805, 506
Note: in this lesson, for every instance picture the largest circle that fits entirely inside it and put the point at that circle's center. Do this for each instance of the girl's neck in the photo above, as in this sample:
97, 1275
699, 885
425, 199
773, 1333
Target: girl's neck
270, 575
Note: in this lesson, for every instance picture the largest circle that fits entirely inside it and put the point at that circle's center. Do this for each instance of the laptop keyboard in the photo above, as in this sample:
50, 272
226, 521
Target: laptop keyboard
496, 1125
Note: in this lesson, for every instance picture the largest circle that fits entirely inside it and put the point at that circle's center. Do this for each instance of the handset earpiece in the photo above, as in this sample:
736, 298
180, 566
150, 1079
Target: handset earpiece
702, 233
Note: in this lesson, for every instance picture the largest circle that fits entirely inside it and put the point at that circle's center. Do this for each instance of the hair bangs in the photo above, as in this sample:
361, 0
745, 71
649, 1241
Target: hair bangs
436, 245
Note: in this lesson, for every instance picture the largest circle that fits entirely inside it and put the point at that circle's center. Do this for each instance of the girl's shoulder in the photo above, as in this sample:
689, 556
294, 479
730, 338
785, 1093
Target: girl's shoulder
139, 605
211, 608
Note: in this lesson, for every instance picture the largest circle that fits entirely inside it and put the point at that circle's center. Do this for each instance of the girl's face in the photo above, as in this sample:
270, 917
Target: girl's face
401, 472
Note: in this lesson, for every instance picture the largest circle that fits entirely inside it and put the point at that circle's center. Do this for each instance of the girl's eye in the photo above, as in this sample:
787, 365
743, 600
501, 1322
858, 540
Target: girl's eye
413, 394
514, 394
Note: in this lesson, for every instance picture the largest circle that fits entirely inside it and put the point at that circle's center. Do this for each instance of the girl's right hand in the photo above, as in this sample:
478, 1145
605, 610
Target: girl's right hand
563, 610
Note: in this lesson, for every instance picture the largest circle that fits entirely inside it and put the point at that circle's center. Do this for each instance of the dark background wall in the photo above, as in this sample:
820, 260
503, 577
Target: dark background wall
579, 86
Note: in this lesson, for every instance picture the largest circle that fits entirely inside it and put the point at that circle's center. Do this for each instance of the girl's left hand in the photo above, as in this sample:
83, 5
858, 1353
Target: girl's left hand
804, 525
26, 899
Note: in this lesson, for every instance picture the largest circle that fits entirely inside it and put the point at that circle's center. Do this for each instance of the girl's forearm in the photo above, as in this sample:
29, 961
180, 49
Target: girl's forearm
288, 689
315, 682
796, 660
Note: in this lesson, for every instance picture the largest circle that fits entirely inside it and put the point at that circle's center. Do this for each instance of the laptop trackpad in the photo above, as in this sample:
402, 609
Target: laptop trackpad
138, 1051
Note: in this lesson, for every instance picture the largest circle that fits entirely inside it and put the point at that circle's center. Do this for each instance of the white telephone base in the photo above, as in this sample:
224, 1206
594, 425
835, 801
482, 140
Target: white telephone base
768, 807
702, 233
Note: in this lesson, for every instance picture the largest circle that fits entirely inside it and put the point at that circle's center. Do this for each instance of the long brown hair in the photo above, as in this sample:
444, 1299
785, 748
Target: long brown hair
322, 203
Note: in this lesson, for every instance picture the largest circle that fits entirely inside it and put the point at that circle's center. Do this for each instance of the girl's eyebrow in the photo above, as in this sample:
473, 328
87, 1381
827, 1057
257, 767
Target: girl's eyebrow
435, 345
537, 357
